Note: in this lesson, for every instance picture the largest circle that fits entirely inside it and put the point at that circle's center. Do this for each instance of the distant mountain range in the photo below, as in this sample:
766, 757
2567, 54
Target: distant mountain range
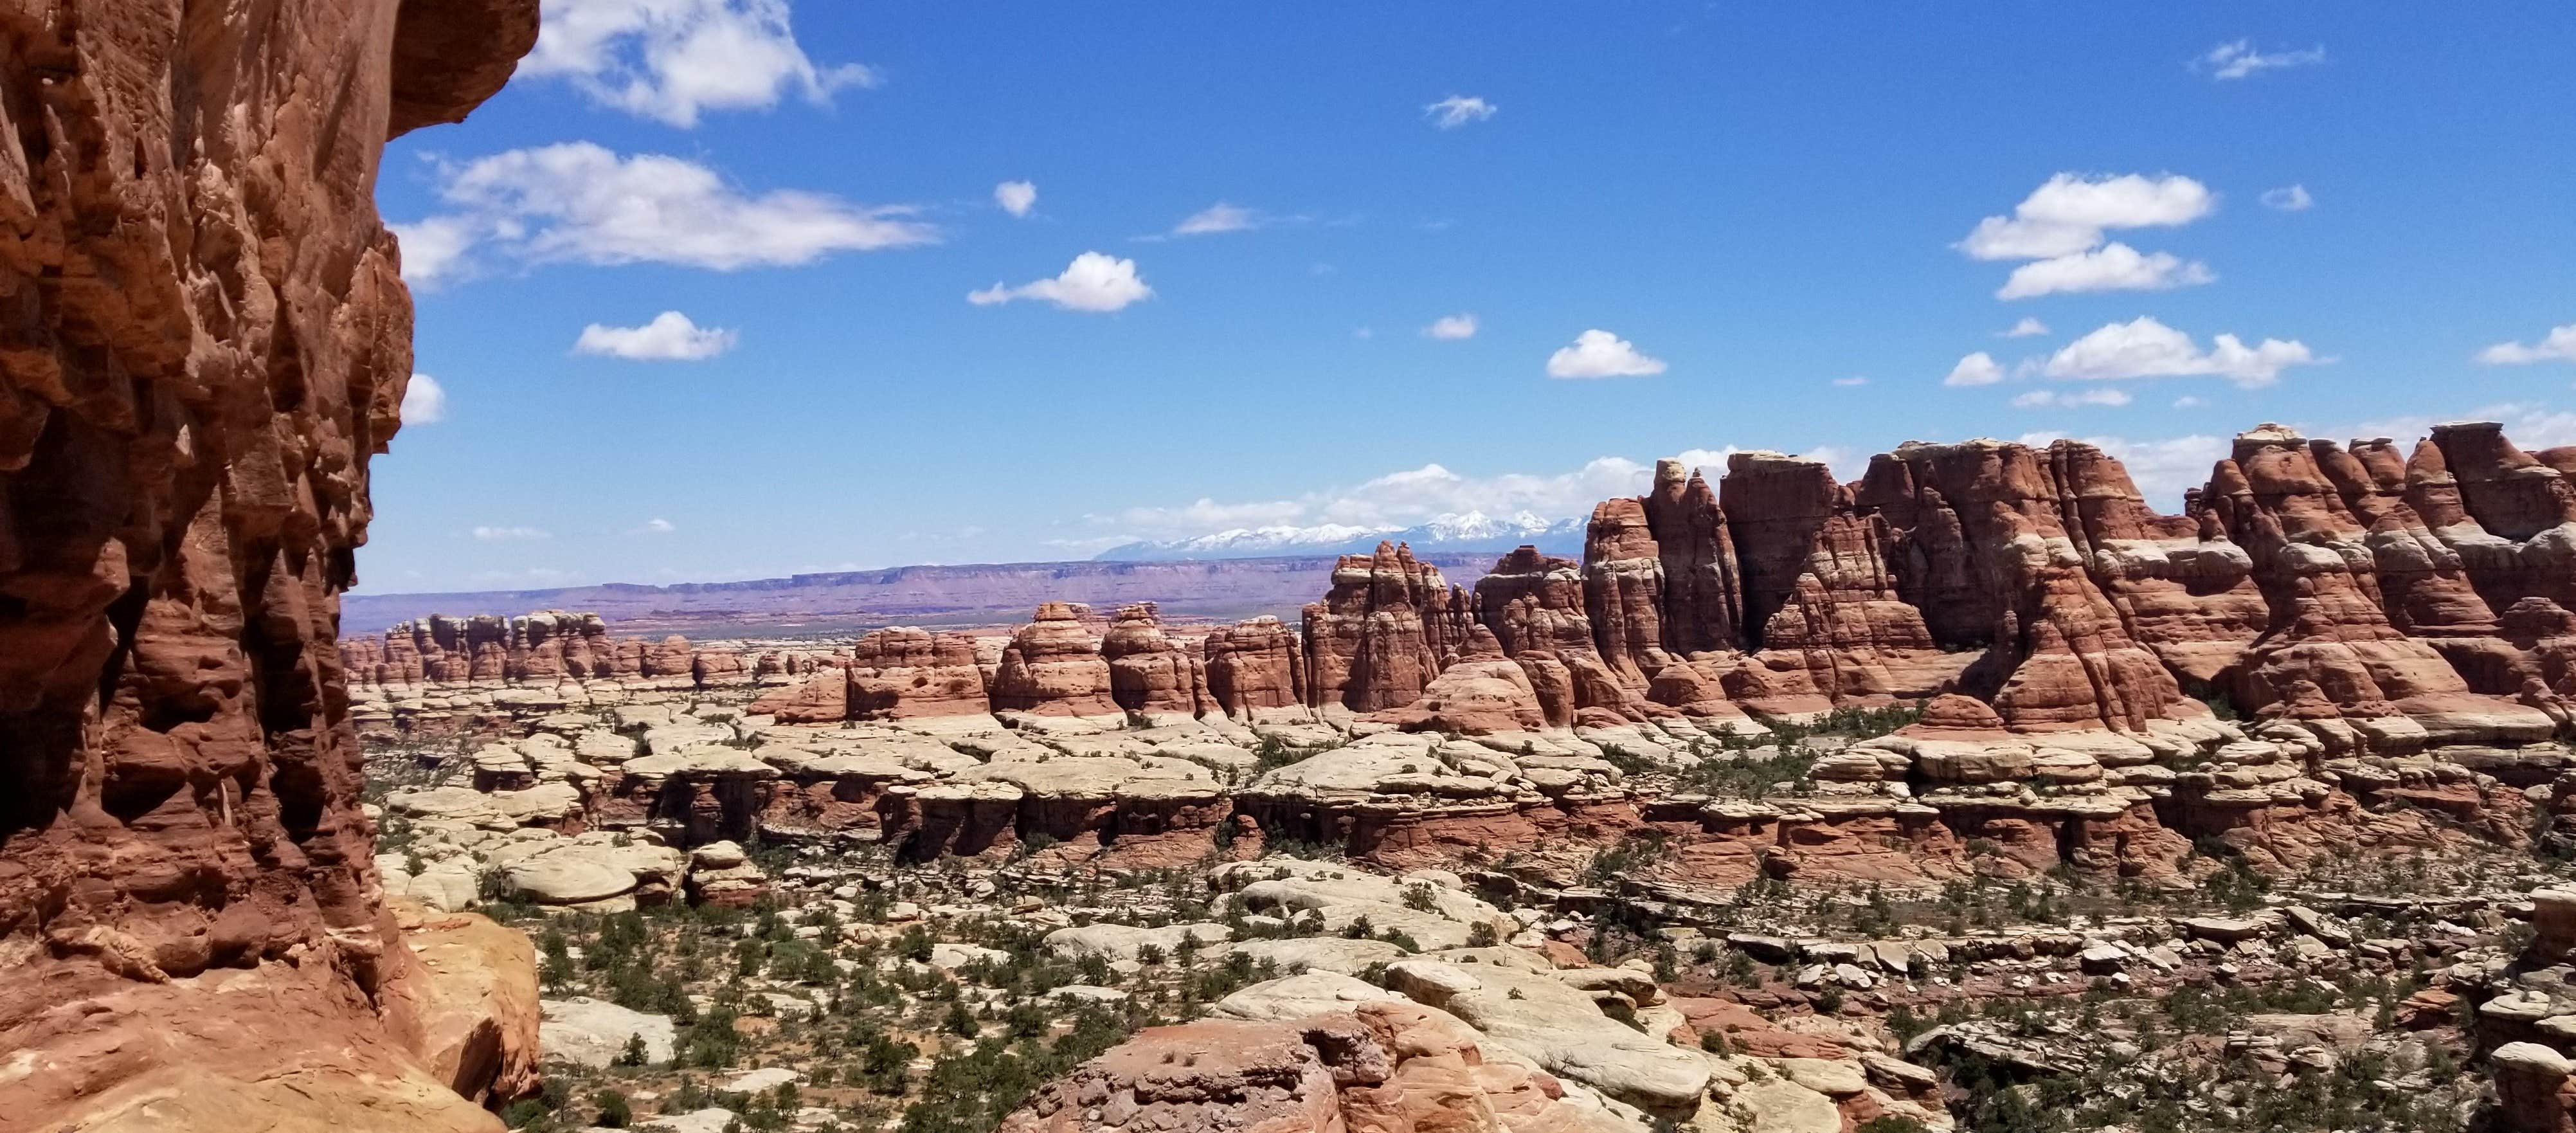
1467, 533
975, 594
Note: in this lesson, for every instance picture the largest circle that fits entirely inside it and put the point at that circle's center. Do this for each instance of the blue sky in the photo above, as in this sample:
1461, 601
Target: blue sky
1765, 210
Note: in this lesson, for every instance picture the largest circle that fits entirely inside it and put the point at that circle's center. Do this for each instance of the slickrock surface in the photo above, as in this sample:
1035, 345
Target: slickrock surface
206, 338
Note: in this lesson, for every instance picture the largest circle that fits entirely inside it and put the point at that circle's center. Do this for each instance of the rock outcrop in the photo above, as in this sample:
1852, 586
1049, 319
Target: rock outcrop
1053, 667
206, 338
1388, 626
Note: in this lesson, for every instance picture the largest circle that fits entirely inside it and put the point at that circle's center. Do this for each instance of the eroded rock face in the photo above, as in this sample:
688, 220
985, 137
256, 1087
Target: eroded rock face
1254, 668
1387, 627
206, 338
1148, 672
1053, 668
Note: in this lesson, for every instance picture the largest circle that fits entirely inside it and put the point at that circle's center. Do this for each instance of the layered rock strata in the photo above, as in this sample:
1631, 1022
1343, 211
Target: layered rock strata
205, 340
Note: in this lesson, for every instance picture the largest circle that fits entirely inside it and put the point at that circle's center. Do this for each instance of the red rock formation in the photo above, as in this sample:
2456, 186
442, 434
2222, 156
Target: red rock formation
1385, 1067
1053, 668
1703, 592
205, 339
1623, 590
1147, 672
1534, 605
1481, 693
905, 672
537, 648
1253, 667
1385, 629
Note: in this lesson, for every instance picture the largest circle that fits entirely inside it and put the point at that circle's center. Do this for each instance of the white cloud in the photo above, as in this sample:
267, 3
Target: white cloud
1601, 354
2162, 469
2239, 59
1978, 369
1094, 282
2113, 267
582, 203
2288, 198
655, 527
1399, 499
670, 60
670, 337
1363, 332
2028, 327
2145, 348
2055, 399
1457, 110
1452, 327
2559, 345
433, 251
424, 401
1216, 218
2190, 401
1016, 197
1854, 380
510, 534
2070, 212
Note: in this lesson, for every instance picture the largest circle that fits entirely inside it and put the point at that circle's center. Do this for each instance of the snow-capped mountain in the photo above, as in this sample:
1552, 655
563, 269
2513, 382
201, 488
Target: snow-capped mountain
1461, 533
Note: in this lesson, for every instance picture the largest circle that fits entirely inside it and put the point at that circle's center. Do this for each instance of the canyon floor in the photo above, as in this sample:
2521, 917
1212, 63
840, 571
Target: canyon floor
962, 924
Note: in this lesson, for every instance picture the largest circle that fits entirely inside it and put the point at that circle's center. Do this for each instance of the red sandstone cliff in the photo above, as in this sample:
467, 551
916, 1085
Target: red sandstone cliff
205, 338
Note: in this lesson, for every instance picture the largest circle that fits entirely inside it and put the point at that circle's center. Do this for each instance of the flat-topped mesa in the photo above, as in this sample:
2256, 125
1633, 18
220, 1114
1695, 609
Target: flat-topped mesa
1053, 667
1148, 672
1388, 625
1255, 669
206, 340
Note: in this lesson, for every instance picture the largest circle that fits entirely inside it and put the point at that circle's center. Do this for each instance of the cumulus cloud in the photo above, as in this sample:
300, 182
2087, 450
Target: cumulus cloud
2145, 348
1452, 327
671, 60
2239, 60
670, 337
2113, 267
433, 250
2061, 399
1978, 369
424, 401
2070, 212
510, 534
2288, 198
1458, 110
2062, 226
2559, 345
1016, 197
655, 527
1095, 282
2028, 327
582, 203
1601, 354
